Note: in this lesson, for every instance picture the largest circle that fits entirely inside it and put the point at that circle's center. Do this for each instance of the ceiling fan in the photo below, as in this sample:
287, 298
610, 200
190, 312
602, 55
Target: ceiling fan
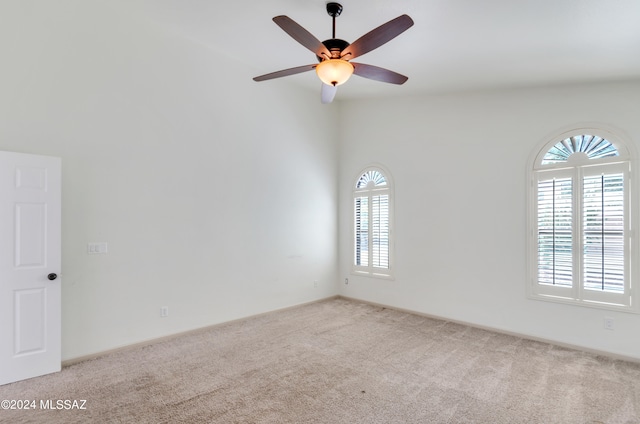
334, 55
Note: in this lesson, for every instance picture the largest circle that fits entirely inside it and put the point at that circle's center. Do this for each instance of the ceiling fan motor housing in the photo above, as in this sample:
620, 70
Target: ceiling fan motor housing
335, 46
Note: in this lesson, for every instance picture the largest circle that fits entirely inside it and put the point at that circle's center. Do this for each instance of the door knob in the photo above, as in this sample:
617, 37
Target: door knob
52, 276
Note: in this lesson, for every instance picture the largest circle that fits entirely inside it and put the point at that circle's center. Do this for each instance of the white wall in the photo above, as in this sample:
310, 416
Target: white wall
217, 195
459, 166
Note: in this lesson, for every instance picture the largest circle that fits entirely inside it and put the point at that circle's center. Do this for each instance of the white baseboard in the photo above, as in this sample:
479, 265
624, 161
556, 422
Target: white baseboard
148, 342
498, 330
72, 361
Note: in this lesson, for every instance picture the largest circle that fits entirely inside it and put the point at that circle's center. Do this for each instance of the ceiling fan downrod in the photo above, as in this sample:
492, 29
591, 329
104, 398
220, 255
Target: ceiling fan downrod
334, 10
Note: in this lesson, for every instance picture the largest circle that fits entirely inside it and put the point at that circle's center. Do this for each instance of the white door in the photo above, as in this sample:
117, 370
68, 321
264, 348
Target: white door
30, 262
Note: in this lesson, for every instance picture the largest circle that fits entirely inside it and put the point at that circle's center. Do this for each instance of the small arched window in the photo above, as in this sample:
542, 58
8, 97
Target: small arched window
581, 221
372, 251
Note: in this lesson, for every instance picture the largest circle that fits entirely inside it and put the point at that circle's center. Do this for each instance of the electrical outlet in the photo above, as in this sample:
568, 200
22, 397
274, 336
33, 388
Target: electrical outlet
315, 284
346, 281
609, 323
164, 311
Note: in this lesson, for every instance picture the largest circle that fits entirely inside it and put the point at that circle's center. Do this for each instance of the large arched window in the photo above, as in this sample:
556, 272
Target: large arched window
583, 211
372, 206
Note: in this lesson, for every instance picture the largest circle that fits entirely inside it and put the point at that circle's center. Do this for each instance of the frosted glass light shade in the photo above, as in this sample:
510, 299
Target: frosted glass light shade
334, 71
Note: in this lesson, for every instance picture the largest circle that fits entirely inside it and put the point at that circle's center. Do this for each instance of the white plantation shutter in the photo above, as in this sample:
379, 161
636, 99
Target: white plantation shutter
603, 232
555, 232
380, 231
581, 223
362, 231
372, 230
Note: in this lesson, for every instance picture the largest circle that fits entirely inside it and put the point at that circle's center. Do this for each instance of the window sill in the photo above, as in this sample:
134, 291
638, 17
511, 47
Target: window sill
372, 274
585, 303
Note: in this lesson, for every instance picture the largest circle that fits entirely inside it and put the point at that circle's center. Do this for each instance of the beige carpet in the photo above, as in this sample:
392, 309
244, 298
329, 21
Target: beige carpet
339, 361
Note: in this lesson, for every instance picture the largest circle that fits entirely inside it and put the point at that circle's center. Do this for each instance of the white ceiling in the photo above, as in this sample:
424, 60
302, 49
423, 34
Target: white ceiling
455, 45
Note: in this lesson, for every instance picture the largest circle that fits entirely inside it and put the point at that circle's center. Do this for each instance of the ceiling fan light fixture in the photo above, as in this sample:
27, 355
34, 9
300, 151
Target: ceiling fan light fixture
334, 71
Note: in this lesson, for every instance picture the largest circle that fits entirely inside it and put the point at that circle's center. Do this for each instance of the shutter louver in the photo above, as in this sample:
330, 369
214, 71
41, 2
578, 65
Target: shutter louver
604, 240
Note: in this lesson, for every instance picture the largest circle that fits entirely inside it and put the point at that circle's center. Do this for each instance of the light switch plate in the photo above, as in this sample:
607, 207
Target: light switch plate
97, 248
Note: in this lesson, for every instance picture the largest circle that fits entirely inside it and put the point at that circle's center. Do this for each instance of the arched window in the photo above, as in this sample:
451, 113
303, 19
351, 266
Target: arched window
580, 238
372, 251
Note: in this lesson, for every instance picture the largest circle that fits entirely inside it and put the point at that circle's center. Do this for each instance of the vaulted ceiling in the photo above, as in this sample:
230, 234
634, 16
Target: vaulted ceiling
454, 45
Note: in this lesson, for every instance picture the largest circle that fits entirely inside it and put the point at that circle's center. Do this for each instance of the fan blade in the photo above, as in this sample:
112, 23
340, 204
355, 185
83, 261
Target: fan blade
327, 93
301, 35
285, 72
377, 37
378, 74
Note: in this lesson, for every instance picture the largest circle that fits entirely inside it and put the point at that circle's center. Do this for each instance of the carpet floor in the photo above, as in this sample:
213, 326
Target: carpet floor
336, 361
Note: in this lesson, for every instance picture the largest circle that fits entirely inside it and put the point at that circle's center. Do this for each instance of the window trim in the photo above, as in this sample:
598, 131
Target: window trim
578, 168
369, 270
